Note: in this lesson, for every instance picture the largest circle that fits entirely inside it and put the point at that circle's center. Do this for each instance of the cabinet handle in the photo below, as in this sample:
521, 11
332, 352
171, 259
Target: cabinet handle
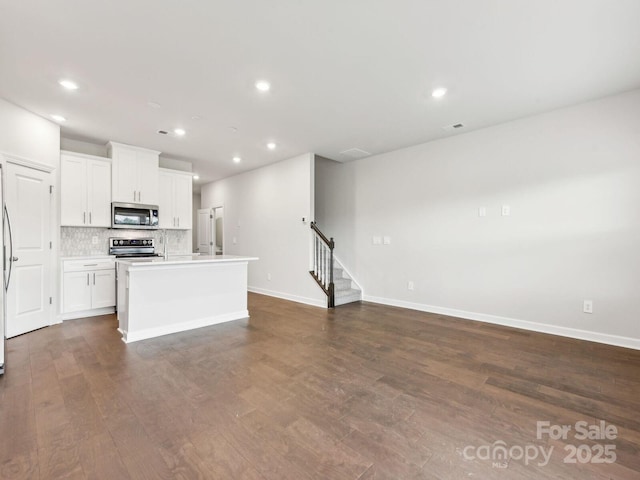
178, 221
134, 195
89, 218
91, 265
84, 217
87, 279
94, 278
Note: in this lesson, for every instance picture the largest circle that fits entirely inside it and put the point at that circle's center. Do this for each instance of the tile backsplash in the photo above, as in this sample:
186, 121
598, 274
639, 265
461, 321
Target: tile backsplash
76, 241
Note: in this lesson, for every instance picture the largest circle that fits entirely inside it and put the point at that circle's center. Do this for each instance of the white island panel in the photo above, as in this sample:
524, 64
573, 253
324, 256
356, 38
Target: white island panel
164, 297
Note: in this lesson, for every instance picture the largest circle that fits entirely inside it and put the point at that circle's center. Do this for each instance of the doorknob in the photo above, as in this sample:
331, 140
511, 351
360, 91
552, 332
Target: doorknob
14, 259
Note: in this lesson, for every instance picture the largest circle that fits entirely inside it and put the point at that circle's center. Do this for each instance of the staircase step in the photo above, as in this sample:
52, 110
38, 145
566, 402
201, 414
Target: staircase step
351, 295
341, 283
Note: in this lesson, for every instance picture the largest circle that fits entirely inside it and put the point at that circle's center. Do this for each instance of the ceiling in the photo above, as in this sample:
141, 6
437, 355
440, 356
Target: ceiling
343, 74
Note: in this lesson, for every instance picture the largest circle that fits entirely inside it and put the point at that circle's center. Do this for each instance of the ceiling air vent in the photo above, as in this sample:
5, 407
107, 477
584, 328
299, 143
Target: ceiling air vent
454, 127
355, 153
163, 132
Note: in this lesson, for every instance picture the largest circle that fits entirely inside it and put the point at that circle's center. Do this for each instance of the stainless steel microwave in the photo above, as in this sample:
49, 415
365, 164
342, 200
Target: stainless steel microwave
134, 216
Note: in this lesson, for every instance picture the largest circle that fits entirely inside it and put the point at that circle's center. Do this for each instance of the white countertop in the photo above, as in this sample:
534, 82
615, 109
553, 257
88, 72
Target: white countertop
184, 259
87, 257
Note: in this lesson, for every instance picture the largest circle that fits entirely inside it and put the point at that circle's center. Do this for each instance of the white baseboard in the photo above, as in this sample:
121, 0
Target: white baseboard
87, 313
598, 337
129, 337
287, 296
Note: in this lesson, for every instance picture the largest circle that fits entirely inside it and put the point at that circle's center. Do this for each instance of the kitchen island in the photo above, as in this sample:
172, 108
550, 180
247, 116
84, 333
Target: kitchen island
158, 296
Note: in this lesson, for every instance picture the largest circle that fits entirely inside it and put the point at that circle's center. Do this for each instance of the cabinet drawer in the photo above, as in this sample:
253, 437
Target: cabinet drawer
88, 265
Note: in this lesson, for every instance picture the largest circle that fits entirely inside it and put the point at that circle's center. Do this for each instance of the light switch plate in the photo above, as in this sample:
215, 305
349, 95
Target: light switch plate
377, 240
482, 211
506, 210
386, 240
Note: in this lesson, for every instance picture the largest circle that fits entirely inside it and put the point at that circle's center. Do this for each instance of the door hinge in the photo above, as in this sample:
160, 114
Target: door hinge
50, 189
50, 300
50, 245
211, 216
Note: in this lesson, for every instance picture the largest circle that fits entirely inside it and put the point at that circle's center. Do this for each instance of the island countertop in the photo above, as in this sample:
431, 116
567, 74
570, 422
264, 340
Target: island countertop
183, 260
159, 297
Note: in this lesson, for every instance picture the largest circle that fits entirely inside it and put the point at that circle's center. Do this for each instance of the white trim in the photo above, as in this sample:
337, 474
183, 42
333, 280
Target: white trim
86, 156
87, 313
590, 336
286, 296
27, 162
358, 286
182, 327
124, 145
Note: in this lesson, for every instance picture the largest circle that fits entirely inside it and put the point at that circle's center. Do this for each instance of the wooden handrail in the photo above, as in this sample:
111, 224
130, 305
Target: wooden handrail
329, 241
323, 264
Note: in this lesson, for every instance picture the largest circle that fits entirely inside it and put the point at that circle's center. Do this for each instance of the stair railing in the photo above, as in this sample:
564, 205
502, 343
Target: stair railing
323, 263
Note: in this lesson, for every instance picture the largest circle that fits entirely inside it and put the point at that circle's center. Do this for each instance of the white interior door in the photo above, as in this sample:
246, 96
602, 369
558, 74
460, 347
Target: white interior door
205, 237
28, 200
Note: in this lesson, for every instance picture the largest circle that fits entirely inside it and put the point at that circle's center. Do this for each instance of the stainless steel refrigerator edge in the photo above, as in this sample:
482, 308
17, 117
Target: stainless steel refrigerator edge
3, 295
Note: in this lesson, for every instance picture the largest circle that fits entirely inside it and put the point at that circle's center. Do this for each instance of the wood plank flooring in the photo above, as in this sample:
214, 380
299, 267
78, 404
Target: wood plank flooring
296, 392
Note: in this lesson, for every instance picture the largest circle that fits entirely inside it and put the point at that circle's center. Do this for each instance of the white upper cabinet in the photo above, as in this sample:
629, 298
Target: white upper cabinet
85, 190
134, 174
176, 200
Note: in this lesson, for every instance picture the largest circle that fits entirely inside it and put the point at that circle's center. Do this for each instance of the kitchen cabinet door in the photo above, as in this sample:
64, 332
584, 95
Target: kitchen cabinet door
73, 191
124, 187
77, 291
183, 200
103, 292
99, 193
147, 177
176, 199
165, 202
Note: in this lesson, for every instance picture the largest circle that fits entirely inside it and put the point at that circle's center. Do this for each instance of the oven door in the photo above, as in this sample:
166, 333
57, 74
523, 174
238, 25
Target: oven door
134, 216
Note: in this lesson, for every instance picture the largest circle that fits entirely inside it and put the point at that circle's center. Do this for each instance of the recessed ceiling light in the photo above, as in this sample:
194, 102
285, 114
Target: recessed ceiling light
196, 177
58, 118
237, 159
439, 92
179, 131
263, 85
271, 146
154, 104
68, 84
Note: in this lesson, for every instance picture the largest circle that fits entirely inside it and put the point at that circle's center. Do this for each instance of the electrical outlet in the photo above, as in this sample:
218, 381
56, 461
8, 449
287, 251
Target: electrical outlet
386, 240
235, 240
94, 240
410, 285
587, 306
506, 210
269, 276
377, 240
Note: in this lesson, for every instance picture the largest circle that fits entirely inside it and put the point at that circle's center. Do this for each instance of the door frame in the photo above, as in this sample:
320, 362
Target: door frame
55, 290
213, 227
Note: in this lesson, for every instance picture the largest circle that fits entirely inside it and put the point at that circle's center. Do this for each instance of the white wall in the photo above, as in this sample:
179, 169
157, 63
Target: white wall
263, 210
28, 136
572, 180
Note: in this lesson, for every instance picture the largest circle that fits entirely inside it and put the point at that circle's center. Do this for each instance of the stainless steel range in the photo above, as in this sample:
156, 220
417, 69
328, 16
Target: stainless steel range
132, 247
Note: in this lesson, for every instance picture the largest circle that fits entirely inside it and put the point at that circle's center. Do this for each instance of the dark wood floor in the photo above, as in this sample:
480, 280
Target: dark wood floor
297, 392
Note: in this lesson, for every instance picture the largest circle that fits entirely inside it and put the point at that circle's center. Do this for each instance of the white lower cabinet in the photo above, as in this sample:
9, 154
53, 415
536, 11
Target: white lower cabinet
88, 287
